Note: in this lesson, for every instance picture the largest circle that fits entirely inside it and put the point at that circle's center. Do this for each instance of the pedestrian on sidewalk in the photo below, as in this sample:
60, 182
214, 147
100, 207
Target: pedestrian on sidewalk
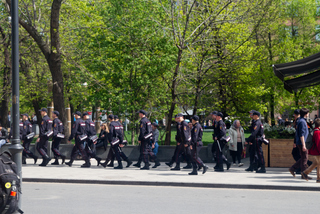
57, 138
103, 137
236, 143
314, 152
3, 136
155, 138
27, 137
45, 133
301, 135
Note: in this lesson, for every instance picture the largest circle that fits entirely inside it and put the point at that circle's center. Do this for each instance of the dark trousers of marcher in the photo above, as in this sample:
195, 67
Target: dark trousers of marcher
219, 156
80, 145
179, 153
91, 149
26, 151
146, 151
237, 154
42, 146
195, 155
55, 146
302, 162
259, 152
296, 156
253, 155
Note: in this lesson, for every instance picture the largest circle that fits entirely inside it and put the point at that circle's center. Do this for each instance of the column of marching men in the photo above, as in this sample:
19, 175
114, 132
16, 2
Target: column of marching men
188, 142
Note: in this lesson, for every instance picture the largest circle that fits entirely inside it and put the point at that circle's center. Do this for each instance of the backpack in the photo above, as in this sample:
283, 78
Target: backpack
9, 185
309, 141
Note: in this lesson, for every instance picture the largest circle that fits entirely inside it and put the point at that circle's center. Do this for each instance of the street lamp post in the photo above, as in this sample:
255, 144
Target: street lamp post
15, 148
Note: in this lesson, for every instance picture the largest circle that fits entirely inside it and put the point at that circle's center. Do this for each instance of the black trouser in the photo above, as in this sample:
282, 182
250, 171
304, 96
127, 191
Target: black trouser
178, 153
26, 152
42, 146
146, 151
253, 155
91, 149
259, 151
237, 154
195, 155
80, 145
55, 146
219, 156
118, 153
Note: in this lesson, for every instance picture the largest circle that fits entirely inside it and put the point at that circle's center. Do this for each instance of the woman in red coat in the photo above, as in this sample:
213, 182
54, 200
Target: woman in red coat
314, 152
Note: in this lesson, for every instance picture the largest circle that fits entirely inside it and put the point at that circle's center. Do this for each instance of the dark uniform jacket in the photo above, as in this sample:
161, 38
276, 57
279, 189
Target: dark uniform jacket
78, 129
27, 129
178, 136
257, 131
90, 128
220, 130
185, 133
20, 129
57, 127
115, 132
196, 134
145, 129
46, 125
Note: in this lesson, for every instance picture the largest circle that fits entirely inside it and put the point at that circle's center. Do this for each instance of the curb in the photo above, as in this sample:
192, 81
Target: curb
172, 184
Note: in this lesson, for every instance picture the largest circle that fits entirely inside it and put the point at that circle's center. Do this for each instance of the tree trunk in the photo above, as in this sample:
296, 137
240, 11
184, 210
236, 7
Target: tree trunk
7, 71
173, 99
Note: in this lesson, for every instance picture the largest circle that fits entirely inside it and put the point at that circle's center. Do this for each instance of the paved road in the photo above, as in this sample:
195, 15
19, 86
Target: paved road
40, 198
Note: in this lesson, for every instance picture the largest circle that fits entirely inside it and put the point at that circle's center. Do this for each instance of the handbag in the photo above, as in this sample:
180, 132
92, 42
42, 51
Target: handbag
60, 135
31, 135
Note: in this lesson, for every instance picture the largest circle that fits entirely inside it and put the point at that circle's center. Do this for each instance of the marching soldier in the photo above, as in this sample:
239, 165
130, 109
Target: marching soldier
196, 145
78, 132
219, 134
252, 152
180, 150
27, 137
57, 137
256, 139
115, 137
144, 141
92, 138
45, 133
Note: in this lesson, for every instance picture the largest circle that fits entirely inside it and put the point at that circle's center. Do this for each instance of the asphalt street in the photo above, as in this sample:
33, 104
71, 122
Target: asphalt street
40, 198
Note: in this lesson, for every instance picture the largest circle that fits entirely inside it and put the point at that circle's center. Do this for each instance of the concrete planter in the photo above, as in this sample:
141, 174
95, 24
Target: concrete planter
164, 155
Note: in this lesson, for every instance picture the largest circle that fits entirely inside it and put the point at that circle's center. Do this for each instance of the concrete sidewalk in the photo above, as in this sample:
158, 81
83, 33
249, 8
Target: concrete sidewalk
235, 177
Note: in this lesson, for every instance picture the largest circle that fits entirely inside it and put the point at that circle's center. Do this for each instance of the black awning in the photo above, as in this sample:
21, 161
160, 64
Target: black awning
301, 66
302, 82
305, 66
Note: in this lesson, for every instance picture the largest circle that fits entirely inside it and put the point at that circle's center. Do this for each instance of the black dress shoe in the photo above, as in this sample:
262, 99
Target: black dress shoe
104, 164
156, 165
228, 165
119, 167
129, 163
137, 165
189, 166
145, 168
175, 168
205, 168
98, 161
219, 170
169, 164
193, 173
68, 163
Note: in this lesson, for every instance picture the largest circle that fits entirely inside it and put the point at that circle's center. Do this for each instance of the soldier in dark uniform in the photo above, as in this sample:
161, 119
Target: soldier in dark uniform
213, 148
252, 152
115, 137
92, 138
144, 141
27, 137
179, 150
20, 129
196, 145
57, 137
220, 133
45, 134
78, 132
256, 139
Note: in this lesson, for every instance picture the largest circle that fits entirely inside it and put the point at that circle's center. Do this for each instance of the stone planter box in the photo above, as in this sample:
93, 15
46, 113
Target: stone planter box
280, 153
